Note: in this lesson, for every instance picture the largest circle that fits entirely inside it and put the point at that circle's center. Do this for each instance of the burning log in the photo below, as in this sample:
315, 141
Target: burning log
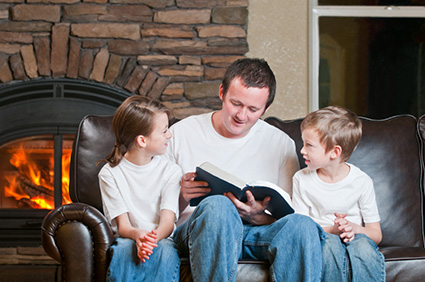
33, 190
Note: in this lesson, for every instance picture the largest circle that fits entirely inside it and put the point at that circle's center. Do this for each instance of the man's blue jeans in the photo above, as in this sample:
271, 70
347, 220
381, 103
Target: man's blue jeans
214, 238
163, 265
356, 261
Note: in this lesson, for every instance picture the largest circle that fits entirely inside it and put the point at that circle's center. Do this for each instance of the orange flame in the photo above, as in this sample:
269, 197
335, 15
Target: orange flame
29, 169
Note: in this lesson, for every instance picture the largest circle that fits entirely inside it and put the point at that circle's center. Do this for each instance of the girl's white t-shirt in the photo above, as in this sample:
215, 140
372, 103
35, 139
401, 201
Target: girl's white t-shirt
141, 191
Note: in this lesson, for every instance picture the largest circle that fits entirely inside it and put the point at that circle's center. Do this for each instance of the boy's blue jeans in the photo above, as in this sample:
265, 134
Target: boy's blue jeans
358, 260
214, 238
163, 265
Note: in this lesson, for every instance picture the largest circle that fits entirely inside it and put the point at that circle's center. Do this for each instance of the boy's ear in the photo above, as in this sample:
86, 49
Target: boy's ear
141, 141
336, 152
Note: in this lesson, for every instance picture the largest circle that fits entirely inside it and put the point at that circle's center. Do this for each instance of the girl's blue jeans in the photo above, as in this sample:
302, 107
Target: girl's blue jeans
214, 238
163, 265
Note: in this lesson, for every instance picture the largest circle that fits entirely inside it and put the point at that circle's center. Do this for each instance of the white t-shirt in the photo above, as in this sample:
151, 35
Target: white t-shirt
265, 153
354, 195
141, 191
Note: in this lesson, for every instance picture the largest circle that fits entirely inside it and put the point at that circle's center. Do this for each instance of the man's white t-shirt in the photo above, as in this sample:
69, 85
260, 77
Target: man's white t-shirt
141, 191
265, 153
353, 195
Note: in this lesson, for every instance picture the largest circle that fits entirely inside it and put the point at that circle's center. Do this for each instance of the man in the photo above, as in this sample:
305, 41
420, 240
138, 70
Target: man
222, 229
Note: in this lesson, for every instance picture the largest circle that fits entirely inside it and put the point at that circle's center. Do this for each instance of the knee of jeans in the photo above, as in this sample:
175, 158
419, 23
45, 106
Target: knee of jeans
123, 247
363, 244
218, 207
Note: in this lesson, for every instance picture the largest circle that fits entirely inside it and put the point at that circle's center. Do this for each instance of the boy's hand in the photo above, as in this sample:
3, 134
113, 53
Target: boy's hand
345, 228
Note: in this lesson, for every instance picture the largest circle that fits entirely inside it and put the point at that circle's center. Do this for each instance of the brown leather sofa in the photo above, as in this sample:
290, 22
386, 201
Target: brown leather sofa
391, 152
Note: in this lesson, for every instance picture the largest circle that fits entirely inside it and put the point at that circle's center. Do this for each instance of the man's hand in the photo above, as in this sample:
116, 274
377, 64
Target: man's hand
252, 211
192, 189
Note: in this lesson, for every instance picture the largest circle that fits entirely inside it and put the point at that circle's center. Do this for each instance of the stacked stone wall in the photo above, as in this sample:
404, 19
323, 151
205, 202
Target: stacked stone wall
173, 50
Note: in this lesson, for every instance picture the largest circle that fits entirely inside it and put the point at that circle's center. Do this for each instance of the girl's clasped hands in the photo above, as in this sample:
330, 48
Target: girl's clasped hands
145, 243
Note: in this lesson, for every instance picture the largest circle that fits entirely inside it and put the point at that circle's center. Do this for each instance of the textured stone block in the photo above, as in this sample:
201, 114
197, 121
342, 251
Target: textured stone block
200, 3
17, 67
42, 54
156, 60
183, 16
73, 58
232, 15
157, 4
5, 72
135, 79
113, 68
147, 83
214, 73
30, 63
128, 13
128, 47
189, 60
86, 63
60, 35
221, 31
15, 37
169, 31
158, 87
197, 90
10, 48
106, 30
48, 13
99, 65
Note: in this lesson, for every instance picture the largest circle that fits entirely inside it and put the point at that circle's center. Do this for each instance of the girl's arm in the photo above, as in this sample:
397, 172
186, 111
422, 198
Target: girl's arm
166, 224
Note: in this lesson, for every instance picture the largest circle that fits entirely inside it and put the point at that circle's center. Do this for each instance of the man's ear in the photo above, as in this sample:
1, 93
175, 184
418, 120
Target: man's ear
141, 141
221, 93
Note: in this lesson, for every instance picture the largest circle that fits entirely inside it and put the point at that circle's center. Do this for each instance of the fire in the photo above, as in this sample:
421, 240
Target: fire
32, 185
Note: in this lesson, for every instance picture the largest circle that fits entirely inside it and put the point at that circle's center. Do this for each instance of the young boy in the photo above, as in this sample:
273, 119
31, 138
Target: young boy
339, 196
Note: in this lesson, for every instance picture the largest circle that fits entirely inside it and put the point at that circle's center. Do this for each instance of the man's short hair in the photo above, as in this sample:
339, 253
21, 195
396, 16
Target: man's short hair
253, 73
335, 126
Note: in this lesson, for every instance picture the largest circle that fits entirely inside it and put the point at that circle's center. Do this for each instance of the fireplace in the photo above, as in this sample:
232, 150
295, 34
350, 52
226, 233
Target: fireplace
38, 122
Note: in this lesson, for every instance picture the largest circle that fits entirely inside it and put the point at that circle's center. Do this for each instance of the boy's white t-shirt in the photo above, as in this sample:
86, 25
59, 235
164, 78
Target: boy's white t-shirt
141, 191
354, 195
265, 153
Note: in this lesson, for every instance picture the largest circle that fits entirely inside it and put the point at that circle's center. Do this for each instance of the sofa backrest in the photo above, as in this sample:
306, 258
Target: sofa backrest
390, 153
93, 142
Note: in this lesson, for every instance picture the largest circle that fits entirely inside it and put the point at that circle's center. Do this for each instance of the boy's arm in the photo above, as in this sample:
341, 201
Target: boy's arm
166, 224
371, 230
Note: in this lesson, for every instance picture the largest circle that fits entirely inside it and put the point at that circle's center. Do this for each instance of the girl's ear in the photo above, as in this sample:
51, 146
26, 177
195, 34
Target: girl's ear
141, 141
336, 152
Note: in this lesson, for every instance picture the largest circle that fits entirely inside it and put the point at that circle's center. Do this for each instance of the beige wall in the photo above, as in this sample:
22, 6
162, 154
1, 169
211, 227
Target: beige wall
278, 32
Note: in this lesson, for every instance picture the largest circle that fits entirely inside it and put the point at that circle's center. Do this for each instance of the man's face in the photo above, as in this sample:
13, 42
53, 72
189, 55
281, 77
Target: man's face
242, 107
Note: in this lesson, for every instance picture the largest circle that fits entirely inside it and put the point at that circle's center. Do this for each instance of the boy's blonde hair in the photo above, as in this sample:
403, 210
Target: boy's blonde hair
335, 126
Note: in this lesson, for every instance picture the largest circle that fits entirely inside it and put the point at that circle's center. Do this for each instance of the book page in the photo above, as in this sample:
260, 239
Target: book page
214, 170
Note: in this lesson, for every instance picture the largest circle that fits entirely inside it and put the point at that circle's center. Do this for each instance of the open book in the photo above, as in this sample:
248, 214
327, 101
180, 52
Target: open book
221, 182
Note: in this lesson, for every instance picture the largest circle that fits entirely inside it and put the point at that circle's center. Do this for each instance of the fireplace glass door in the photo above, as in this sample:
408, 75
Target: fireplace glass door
34, 172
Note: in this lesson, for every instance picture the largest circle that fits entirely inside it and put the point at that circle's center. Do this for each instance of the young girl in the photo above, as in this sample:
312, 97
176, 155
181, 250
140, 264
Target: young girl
140, 192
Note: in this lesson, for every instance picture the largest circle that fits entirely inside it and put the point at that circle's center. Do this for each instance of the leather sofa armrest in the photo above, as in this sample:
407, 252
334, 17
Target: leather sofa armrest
78, 236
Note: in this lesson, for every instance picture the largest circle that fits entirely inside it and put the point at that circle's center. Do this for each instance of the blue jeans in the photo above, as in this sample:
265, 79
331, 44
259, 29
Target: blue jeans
214, 238
163, 264
358, 260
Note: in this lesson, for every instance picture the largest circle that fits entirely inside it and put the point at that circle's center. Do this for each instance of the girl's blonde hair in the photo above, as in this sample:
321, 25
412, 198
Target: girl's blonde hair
134, 117
335, 126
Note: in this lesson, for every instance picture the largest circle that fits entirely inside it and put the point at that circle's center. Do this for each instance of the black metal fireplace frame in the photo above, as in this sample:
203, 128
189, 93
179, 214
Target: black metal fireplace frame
47, 106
